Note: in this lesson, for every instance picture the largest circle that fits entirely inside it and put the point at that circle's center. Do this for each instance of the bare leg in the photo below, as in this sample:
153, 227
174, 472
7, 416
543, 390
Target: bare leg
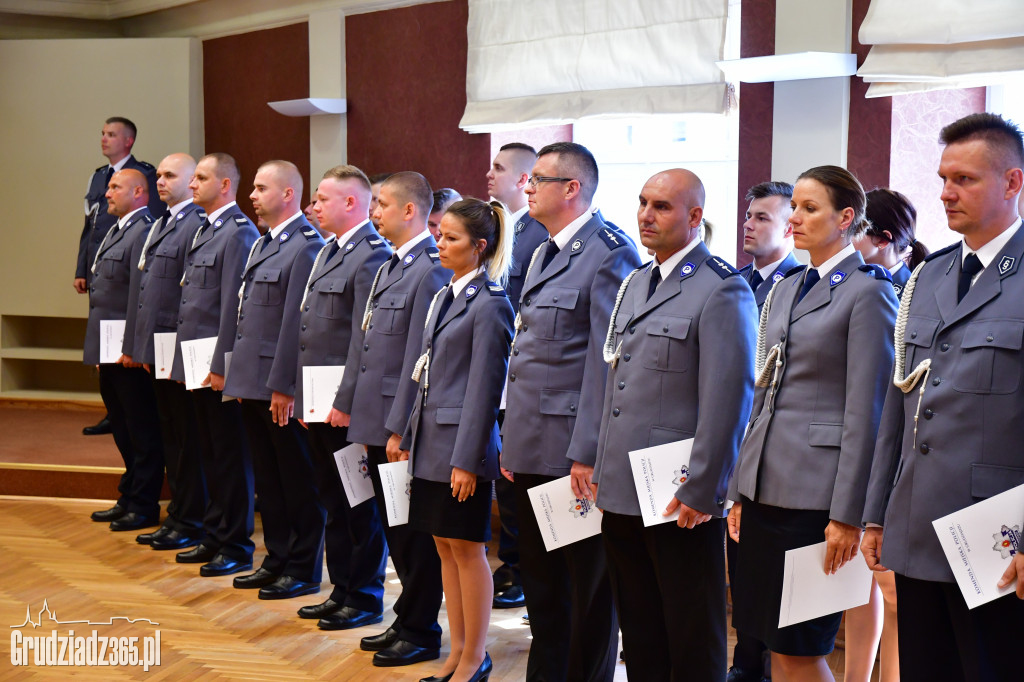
477, 588
453, 604
800, 669
890, 634
863, 630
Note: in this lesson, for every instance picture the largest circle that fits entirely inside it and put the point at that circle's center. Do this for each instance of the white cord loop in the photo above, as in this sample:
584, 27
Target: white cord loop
610, 352
312, 274
924, 368
519, 318
368, 313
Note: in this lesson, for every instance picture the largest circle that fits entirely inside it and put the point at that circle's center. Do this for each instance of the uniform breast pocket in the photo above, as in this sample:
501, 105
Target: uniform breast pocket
330, 299
204, 273
389, 316
112, 265
919, 336
554, 318
165, 261
266, 287
665, 345
989, 359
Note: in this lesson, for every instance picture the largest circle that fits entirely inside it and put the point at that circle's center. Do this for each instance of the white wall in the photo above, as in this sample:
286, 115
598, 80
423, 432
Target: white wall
55, 96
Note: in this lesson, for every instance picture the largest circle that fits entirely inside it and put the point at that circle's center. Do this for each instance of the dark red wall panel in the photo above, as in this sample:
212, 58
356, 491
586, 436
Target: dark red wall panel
870, 131
241, 74
406, 89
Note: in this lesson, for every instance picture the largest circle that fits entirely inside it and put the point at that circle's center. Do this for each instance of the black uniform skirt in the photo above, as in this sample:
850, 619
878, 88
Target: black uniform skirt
432, 509
766, 533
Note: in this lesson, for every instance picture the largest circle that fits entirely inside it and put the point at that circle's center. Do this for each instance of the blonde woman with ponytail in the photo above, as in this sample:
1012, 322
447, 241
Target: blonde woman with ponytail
452, 437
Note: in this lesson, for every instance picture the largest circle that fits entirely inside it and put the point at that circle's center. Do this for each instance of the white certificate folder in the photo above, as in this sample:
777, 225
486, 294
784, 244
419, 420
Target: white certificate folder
319, 387
562, 517
657, 473
197, 356
111, 340
808, 592
980, 542
396, 480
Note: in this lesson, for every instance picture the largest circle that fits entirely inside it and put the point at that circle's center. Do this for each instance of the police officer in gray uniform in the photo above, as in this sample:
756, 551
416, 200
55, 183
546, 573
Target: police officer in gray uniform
951, 430
681, 347
376, 398
553, 411
126, 388
330, 332
768, 237
263, 361
214, 258
116, 142
153, 308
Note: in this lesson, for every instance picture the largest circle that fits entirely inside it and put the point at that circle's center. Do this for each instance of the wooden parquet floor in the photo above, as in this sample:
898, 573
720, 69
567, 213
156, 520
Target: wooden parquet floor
51, 552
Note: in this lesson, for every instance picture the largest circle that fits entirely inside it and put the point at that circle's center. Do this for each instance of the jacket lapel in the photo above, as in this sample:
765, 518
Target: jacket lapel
821, 293
988, 285
564, 256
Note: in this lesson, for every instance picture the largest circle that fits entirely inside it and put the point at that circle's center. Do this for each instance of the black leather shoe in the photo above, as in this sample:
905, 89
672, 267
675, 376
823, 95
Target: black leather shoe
174, 539
134, 521
197, 555
484, 671
381, 641
512, 598
404, 653
287, 587
740, 675
98, 429
147, 538
260, 578
223, 565
319, 610
108, 515
435, 678
347, 618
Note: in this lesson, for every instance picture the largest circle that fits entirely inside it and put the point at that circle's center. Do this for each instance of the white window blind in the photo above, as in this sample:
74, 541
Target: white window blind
545, 62
939, 44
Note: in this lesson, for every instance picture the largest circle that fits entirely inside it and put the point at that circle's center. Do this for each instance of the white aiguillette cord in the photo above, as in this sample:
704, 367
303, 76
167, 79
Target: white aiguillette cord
610, 352
924, 368
519, 318
422, 367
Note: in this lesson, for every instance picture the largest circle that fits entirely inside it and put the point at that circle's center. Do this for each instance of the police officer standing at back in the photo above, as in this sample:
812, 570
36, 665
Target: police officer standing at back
768, 237
956, 405
153, 308
262, 375
330, 332
126, 389
553, 413
215, 256
507, 181
681, 348
116, 142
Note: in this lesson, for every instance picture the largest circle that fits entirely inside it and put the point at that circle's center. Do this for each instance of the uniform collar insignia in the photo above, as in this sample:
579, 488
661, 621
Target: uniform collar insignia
837, 277
778, 276
410, 258
284, 237
687, 268
1005, 264
470, 290
350, 246
577, 245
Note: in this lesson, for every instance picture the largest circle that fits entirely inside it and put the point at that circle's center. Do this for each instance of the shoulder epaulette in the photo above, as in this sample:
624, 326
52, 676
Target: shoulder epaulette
795, 270
495, 289
877, 271
434, 255
746, 268
610, 238
720, 267
147, 218
241, 220
376, 243
941, 252
309, 234
101, 168
145, 164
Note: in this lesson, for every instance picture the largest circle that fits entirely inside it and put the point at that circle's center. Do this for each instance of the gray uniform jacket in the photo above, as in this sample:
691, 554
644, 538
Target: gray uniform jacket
810, 440
529, 234
209, 293
98, 222
970, 425
117, 273
266, 348
454, 422
153, 306
685, 370
379, 391
788, 263
330, 326
557, 370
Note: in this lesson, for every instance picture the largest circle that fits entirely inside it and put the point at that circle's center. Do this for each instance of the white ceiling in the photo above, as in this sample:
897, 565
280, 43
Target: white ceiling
88, 9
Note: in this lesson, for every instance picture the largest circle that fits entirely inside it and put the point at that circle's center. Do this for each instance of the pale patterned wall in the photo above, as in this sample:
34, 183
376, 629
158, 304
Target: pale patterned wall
916, 121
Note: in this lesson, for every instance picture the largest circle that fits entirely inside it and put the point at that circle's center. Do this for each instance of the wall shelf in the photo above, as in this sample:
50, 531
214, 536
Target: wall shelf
41, 359
789, 67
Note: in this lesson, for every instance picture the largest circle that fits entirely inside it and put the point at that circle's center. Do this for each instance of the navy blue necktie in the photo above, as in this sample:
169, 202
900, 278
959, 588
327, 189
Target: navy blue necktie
655, 280
971, 267
446, 303
267, 238
811, 279
756, 280
393, 262
550, 253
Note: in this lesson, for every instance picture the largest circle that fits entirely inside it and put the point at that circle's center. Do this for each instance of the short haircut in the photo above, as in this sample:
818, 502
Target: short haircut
411, 187
378, 178
225, 166
518, 146
132, 130
844, 190
443, 197
575, 161
287, 172
347, 172
1000, 135
763, 190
